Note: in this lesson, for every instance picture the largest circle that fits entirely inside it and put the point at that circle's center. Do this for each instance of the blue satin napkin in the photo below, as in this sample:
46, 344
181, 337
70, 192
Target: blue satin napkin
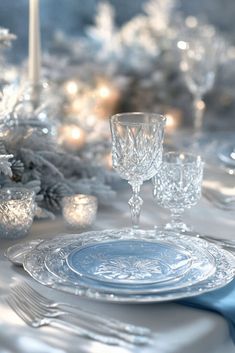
221, 301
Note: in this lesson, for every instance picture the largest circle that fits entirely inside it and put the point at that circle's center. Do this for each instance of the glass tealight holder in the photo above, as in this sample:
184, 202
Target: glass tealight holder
79, 211
17, 209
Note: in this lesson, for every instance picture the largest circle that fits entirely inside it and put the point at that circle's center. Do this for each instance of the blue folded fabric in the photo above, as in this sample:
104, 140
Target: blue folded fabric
221, 301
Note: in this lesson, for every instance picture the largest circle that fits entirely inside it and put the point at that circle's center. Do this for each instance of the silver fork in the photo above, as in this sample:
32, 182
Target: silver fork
33, 296
37, 311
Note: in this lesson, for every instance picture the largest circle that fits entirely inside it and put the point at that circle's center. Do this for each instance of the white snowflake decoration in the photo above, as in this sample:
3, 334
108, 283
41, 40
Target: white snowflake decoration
104, 30
159, 13
104, 23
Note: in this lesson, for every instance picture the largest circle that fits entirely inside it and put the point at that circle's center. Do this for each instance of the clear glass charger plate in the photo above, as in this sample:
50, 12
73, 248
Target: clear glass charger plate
67, 280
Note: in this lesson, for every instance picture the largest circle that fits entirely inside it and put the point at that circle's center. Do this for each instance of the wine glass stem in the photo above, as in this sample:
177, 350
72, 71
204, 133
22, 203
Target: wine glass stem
135, 204
199, 110
154, 181
176, 219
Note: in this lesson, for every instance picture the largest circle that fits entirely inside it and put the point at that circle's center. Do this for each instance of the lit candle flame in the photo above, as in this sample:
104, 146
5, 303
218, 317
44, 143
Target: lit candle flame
71, 87
173, 119
104, 91
72, 137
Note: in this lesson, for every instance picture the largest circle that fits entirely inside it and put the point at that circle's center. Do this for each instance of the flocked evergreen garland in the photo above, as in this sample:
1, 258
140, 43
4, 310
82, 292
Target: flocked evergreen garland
37, 162
139, 56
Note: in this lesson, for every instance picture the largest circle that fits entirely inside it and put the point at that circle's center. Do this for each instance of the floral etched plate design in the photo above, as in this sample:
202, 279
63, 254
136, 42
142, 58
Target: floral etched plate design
202, 266
58, 248
130, 261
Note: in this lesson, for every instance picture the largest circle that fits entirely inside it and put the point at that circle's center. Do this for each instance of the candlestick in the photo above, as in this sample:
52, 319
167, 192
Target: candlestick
34, 42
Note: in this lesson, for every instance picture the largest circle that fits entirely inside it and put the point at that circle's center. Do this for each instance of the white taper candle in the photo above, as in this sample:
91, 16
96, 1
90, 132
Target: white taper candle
34, 42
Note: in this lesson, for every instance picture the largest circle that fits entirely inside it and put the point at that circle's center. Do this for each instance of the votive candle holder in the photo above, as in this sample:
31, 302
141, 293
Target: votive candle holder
79, 211
17, 210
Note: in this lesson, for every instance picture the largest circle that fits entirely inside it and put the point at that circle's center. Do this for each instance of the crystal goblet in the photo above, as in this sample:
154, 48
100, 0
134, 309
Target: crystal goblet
200, 56
137, 151
178, 186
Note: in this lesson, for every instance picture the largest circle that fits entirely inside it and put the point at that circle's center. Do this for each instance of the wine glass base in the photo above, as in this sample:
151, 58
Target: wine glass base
179, 227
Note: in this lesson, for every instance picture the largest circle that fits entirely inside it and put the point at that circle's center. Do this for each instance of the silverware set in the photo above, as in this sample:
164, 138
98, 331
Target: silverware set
37, 311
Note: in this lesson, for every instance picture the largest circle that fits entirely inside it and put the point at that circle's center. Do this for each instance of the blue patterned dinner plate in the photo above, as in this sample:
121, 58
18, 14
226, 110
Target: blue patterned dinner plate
130, 262
211, 267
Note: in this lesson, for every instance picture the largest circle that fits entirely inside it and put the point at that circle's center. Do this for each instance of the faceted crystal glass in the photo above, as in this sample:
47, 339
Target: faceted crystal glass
178, 185
137, 151
17, 209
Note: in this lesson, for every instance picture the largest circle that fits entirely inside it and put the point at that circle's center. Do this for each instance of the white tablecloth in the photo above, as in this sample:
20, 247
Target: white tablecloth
177, 328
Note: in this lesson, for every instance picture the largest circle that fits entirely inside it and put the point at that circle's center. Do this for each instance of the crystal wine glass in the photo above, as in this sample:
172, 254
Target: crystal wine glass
137, 151
178, 186
200, 55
